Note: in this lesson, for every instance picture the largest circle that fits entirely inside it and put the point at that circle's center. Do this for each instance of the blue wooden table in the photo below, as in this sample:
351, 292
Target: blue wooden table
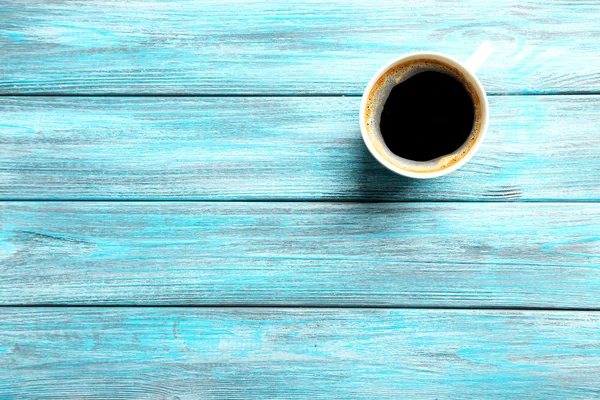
187, 209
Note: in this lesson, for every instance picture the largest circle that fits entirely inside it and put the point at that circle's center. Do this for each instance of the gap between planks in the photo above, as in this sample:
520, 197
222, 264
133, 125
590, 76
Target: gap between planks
258, 94
293, 200
305, 307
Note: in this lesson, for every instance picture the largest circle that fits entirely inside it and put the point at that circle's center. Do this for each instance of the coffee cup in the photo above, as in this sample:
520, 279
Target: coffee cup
424, 115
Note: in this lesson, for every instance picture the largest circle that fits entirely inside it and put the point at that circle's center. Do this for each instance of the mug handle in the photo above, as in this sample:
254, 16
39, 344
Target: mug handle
479, 56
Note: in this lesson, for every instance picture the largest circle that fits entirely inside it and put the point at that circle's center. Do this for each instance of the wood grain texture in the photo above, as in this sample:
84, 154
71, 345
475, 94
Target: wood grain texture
290, 354
393, 254
537, 148
106, 46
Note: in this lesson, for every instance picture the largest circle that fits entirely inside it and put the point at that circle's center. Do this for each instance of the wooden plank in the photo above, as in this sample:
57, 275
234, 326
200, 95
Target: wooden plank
538, 148
103, 46
296, 353
342, 254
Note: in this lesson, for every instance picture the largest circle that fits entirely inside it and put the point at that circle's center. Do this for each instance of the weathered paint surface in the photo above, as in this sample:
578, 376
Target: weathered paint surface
316, 254
295, 353
272, 200
157, 46
537, 148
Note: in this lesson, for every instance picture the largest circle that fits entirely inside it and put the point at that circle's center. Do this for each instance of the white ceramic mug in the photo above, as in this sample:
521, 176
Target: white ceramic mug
402, 68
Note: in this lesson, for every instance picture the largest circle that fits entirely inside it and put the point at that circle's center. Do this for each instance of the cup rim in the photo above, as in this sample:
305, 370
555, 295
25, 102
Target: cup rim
478, 140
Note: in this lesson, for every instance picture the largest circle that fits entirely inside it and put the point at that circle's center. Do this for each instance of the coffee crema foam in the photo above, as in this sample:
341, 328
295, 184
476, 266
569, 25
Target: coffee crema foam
379, 94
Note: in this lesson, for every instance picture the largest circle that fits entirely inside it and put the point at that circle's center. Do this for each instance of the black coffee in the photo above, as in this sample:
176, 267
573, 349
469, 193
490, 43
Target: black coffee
427, 116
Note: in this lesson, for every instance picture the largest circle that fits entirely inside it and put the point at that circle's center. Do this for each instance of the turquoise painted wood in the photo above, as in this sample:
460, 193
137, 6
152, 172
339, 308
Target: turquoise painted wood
103, 46
302, 254
538, 148
298, 354
271, 256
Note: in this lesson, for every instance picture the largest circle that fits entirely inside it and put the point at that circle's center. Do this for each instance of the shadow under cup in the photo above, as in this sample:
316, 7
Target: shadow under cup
380, 87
